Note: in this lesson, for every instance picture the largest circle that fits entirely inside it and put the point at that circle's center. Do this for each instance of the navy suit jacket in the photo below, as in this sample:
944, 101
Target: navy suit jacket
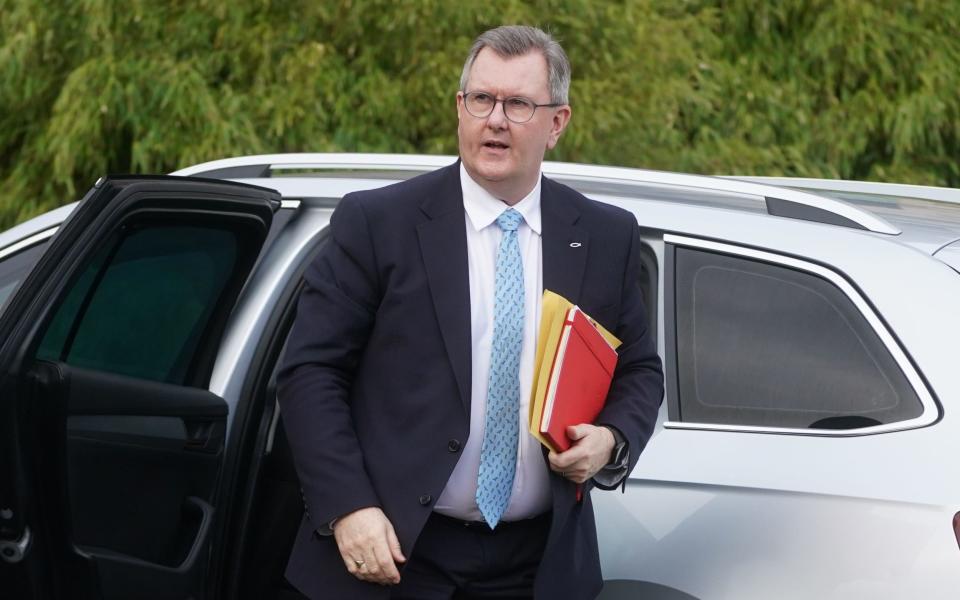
375, 385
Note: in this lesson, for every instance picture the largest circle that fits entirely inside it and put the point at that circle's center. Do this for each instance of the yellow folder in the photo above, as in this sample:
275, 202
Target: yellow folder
553, 311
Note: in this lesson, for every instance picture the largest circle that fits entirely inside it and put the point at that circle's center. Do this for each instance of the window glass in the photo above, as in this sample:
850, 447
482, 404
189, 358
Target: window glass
15, 267
142, 304
765, 345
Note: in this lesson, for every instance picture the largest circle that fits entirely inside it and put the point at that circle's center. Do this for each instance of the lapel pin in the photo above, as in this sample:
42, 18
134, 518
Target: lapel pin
575, 244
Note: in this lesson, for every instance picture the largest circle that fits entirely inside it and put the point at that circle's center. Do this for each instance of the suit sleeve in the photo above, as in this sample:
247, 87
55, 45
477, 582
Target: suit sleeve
636, 391
334, 318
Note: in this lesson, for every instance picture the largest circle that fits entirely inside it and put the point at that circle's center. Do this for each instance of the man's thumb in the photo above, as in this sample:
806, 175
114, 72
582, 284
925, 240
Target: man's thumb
575, 432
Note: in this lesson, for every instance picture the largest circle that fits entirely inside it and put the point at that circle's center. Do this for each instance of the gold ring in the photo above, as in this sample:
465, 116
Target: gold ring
359, 563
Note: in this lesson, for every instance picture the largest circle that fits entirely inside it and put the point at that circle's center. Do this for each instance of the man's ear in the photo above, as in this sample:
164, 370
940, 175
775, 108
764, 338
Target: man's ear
561, 118
459, 104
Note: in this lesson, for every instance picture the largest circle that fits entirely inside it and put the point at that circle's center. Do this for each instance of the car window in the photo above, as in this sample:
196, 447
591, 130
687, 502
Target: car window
15, 267
143, 302
766, 345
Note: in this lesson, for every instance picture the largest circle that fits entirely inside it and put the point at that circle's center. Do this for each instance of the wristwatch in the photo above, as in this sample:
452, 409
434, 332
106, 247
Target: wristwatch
620, 453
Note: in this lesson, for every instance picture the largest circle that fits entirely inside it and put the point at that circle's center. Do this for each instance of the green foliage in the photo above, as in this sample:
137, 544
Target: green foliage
827, 88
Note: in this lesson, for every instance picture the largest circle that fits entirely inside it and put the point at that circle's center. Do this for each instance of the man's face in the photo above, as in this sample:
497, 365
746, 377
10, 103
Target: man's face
502, 156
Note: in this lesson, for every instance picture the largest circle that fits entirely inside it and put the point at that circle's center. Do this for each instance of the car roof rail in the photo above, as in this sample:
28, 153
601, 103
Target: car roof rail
869, 188
779, 201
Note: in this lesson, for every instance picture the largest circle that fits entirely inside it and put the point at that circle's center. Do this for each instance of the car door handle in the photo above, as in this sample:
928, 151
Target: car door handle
204, 435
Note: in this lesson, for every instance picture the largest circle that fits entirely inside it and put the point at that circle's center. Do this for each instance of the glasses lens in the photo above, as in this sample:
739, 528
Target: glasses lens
479, 104
519, 110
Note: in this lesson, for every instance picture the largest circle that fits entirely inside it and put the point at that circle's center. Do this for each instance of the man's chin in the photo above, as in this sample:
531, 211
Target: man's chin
492, 171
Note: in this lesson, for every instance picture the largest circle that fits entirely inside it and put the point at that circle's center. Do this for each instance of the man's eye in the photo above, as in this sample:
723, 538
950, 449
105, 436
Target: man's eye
483, 98
519, 102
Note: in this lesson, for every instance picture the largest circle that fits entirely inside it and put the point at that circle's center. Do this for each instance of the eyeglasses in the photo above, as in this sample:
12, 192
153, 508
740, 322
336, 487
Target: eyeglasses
516, 108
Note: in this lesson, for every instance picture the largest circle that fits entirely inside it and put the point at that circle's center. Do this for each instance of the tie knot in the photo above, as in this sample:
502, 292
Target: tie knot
509, 220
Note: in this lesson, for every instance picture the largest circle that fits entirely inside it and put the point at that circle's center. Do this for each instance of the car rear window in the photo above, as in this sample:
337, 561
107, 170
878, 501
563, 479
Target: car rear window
760, 344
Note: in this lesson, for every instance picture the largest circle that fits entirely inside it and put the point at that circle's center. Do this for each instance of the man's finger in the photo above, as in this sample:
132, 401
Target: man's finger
350, 564
561, 464
558, 462
385, 570
395, 549
365, 535
565, 461
357, 563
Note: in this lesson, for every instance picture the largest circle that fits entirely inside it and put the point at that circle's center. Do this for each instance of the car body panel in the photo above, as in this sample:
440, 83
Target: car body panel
730, 543
734, 514
281, 264
950, 255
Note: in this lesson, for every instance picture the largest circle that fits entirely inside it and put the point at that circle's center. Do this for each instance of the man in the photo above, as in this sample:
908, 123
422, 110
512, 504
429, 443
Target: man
408, 372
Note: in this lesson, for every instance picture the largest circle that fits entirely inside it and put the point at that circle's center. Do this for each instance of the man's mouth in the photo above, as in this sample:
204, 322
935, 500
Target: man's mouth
495, 145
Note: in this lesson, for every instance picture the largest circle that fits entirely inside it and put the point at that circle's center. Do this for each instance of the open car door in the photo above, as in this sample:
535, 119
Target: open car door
110, 442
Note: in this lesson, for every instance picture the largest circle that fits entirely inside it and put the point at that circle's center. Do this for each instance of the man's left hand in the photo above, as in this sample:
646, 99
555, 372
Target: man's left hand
589, 453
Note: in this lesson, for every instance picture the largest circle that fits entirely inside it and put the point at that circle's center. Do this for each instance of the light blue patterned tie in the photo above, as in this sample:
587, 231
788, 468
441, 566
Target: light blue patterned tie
498, 455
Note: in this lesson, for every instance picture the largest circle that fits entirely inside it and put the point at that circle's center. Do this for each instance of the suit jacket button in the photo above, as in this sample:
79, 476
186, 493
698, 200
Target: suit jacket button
425, 499
453, 445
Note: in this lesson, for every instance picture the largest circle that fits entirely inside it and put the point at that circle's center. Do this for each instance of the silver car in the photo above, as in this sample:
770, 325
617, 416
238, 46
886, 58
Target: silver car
804, 449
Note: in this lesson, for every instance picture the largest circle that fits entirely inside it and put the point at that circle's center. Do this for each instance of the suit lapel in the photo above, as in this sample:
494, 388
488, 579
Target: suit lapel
443, 244
565, 245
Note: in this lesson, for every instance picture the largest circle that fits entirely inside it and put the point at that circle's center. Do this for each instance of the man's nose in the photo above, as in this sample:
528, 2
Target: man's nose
497, 119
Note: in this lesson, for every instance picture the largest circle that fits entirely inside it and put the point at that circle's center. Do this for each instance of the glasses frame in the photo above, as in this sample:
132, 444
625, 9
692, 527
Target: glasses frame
503, 101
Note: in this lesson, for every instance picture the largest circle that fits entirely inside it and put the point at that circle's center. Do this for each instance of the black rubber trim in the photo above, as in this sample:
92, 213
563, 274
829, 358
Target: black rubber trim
670, 370
99, 393
794, 210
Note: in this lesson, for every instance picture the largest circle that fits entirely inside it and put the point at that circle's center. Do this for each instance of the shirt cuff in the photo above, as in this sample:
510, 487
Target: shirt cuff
326, 529
614, 473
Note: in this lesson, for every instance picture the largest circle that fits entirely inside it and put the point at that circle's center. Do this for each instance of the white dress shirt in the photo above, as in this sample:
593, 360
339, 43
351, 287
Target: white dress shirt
531, 486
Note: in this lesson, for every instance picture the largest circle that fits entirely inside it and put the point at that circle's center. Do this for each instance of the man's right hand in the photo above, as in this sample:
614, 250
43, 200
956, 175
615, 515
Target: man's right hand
369, 546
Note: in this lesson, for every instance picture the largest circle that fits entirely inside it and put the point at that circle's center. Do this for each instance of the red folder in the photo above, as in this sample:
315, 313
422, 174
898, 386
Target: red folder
579, 379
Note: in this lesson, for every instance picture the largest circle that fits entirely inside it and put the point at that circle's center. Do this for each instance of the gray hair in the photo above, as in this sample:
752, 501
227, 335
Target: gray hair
518, 40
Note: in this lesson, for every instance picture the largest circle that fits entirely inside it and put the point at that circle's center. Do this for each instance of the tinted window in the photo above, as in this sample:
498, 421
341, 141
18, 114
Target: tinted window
15, 267
143, 303
761, 344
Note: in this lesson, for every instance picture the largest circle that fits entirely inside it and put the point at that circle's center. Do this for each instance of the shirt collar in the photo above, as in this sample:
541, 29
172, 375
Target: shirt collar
483, 208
